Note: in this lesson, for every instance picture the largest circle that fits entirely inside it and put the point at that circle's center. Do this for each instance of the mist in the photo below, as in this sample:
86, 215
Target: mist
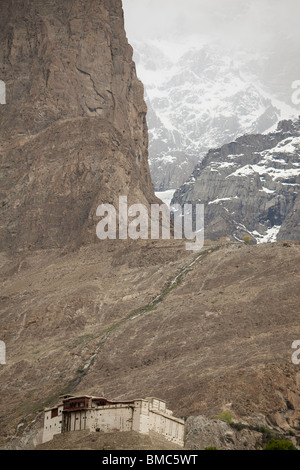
267, 29
245, 23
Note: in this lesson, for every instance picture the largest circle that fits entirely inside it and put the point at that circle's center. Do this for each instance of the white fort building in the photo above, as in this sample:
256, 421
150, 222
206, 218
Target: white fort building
99, 414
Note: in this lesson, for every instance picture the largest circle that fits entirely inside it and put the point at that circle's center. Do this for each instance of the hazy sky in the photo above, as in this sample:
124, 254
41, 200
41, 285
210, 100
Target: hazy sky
268, 28
245, 22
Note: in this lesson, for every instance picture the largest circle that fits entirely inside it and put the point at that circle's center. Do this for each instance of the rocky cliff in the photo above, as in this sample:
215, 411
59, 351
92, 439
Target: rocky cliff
73, 131
250, 187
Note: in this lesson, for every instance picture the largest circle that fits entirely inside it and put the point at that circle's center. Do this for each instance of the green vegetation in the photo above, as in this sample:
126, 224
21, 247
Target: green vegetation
276, 444
271, 440
225, 416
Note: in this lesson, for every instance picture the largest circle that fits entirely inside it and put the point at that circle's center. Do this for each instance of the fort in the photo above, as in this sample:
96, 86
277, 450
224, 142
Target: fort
75, 413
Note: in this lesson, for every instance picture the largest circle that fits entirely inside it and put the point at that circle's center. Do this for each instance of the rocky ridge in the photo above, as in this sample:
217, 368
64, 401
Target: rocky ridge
250, 187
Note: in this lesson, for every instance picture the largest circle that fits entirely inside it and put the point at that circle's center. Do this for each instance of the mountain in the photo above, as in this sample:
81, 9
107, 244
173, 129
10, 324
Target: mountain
208, 331
201, 98
250, 187
73, 130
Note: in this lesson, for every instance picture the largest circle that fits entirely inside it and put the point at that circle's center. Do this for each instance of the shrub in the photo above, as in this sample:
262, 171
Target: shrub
239, 426
247, 239
283, 444
225, 416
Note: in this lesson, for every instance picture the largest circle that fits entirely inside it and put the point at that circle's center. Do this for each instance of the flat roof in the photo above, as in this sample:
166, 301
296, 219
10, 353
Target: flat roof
112, 402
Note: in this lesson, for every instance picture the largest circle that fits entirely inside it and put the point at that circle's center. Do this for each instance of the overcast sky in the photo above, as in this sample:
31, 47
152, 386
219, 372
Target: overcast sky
249, 23
268, 28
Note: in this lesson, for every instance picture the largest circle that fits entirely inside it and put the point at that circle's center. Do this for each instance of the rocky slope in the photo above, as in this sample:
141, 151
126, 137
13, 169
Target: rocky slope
85, 440
250, 186
206, 333
203, 433
205, 97
73, 131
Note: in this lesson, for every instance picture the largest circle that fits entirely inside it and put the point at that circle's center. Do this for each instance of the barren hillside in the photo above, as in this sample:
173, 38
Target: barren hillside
108, 320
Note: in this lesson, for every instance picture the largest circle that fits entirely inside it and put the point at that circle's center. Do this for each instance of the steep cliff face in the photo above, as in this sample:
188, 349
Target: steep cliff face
250, 186
73, 131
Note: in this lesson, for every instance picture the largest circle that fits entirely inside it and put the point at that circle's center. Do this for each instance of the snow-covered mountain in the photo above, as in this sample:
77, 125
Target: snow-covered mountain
250, 186
200, 98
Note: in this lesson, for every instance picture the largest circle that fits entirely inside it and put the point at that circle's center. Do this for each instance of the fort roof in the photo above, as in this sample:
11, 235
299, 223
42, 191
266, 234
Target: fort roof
65, 398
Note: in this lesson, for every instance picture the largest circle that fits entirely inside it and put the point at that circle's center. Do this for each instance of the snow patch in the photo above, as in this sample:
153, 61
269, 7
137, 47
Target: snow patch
269, 237
268, 191
165, 196
216, 201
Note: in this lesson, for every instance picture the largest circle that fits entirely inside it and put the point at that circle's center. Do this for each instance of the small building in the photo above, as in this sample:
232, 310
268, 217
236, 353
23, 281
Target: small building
75, 413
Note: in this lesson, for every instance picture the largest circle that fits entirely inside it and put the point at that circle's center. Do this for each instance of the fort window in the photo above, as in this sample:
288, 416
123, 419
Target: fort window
81, 402
100, 402
54, 413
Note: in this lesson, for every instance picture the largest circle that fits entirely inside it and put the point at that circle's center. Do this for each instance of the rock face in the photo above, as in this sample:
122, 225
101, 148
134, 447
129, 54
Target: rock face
250, 187
73, 131
203, 433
